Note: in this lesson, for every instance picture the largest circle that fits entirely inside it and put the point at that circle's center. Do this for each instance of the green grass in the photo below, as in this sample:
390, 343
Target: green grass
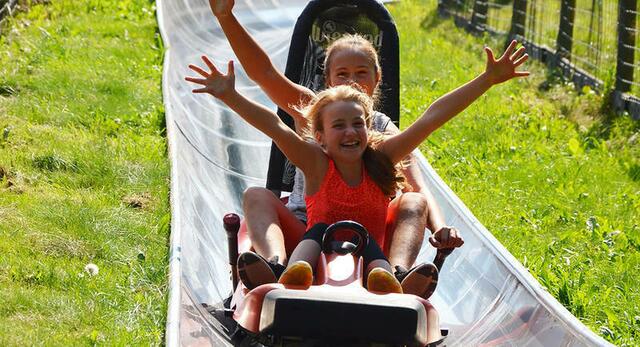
550, 172
83, 176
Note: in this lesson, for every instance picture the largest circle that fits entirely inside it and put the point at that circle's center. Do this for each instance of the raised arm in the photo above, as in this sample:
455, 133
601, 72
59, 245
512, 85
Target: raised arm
282, 91
449, 105
300, 152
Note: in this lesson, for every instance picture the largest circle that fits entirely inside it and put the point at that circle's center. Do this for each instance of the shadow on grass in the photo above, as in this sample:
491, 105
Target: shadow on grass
7, 89
597, 116
54, 162
432, 20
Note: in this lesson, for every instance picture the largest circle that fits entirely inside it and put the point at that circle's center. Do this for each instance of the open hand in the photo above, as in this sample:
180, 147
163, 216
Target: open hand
504, 68
221, 8
446, 237
214, 82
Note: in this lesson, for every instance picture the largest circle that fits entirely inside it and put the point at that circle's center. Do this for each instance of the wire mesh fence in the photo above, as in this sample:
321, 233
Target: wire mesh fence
499, 16
6, 9
541, 22
628, 50
592, 42
461, 10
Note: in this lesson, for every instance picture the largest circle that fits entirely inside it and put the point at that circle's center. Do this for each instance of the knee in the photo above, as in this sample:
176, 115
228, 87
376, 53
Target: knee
256, 197
413, 204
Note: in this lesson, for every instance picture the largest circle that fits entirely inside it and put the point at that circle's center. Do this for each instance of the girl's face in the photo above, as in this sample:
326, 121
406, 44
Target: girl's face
349, 66
344, 135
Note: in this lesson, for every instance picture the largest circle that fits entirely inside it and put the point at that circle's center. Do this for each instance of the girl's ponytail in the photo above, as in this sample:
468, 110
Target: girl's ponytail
387, 176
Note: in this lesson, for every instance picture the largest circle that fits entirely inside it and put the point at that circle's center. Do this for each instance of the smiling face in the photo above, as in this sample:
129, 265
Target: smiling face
344, 130
349, 65
352, 59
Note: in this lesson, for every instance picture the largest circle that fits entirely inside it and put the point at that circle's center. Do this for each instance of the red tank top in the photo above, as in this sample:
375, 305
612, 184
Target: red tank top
336, 201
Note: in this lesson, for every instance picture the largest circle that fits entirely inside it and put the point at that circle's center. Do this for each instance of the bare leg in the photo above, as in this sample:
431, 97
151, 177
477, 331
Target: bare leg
302, 264
381, 263
267, 220
380, 278
410, 212
307, 250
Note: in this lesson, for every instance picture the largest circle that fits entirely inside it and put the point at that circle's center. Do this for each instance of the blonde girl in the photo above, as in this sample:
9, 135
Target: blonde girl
339, 125
275, 229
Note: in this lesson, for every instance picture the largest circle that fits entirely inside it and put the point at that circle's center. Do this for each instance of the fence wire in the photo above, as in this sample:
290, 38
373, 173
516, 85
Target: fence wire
6, 10
463, 9
460, 10
542, 23
499, 16
634, 85
592, 42
594, 37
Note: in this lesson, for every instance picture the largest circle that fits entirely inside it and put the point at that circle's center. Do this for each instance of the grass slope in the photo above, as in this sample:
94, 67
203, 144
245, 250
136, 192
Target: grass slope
83, 175
552, 177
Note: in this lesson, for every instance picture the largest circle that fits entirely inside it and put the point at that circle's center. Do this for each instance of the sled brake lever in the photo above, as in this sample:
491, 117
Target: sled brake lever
441, 255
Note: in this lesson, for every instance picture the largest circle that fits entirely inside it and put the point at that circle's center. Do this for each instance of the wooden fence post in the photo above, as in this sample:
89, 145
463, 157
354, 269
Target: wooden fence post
518, 20
565, 34
479, 15
443, 6
626, 44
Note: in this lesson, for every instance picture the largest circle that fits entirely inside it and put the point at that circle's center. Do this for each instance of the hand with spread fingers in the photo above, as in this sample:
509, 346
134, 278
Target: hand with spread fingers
221, 8
214, 82
446, 237
504, 68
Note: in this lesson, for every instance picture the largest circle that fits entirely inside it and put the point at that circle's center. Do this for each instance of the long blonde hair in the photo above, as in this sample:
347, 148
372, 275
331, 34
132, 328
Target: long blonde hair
382, 171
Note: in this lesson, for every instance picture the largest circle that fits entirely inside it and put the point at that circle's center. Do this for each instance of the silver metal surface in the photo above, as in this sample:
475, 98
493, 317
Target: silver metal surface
484, 296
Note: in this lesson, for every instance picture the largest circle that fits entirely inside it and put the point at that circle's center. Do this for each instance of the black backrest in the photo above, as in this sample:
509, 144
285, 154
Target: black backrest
320, 23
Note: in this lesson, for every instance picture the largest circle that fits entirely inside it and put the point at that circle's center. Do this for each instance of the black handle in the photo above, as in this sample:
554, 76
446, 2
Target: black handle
231, 222
357, 228
441, 255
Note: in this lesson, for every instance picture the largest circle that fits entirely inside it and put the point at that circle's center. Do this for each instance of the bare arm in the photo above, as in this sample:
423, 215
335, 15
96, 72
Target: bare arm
301, 153
435, 219
442, 235
282, 91
452, 103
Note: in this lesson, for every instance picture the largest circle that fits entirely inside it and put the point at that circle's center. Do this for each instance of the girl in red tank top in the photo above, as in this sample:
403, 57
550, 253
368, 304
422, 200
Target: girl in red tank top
341, 185
349, 171
336, 201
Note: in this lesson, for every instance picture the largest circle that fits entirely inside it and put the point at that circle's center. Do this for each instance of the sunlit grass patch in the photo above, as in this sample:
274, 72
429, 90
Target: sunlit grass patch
81, 130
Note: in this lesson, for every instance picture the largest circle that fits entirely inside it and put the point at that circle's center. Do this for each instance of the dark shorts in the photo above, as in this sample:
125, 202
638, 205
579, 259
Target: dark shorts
370, 253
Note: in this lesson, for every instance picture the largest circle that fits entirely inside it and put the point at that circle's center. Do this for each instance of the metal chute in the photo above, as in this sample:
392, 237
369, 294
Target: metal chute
485, 296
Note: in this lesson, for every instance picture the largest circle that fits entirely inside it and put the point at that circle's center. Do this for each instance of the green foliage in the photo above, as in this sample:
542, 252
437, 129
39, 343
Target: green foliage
53, 162
549, 171
83, 176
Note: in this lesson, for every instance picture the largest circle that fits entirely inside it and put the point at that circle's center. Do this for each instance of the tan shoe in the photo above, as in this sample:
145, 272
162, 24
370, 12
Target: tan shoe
299, 273
382, 281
